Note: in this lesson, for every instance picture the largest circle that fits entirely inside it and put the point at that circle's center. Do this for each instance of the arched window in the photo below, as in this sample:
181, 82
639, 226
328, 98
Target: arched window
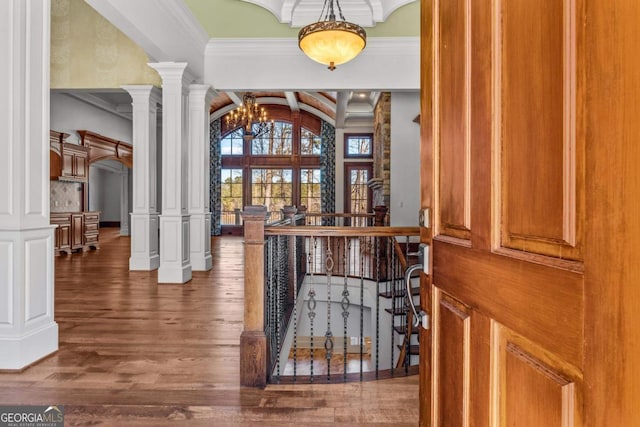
277, 169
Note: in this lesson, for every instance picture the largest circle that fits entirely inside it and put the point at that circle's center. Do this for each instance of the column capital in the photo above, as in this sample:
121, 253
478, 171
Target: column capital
144, 93
172, 71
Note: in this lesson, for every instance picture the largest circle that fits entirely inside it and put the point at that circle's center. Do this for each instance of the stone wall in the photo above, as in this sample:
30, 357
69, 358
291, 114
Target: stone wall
382, 150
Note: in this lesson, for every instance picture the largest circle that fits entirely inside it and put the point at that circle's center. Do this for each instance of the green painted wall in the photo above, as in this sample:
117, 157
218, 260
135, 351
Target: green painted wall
87, 51
236, 18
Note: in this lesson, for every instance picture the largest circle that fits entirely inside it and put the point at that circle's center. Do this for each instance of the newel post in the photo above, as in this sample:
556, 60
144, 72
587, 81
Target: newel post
253, 341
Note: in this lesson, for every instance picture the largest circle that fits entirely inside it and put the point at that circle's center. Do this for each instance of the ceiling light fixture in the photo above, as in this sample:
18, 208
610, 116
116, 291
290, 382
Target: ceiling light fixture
251, 117
332, 42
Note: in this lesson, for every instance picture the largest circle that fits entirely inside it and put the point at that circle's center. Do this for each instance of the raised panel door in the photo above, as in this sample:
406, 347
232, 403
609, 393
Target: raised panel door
506, 188
77, 240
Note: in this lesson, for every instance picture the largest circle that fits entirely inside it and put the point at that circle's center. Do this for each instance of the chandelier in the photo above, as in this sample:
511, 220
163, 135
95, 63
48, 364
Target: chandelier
332, 42
251, 117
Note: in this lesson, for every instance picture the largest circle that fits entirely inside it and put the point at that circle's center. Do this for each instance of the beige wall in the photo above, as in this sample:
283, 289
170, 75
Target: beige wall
87, 51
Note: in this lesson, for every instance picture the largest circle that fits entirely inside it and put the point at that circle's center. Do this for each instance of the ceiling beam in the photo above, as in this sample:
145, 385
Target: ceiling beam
292, 100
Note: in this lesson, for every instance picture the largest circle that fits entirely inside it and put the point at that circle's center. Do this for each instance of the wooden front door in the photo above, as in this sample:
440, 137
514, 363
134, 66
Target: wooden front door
504, 176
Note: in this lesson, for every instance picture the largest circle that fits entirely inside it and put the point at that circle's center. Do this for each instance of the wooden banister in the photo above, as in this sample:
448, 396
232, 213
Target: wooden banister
336, 231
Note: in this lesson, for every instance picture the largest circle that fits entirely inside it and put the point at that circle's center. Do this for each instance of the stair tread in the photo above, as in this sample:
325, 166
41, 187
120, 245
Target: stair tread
399, 311
403, 330
414, 291
414, 349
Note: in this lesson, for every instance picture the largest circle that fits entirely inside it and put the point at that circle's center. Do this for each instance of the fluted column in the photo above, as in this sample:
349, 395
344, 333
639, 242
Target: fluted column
175, 263
28, 331
144, 214
200, 97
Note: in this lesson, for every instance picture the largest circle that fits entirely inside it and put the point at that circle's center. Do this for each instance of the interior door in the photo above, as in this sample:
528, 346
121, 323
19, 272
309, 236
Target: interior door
503, 176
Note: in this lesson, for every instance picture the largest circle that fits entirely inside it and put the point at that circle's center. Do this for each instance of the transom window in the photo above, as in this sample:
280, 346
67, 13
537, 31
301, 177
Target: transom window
275, 143
358, 145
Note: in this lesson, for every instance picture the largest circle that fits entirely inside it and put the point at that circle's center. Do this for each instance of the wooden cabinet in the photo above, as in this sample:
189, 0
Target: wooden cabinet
77, 223
75, 231
75, 163
62, 233
91, 230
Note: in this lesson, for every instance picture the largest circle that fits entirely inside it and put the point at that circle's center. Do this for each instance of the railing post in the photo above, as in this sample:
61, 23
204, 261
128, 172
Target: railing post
253, 341
290, 214
237, 212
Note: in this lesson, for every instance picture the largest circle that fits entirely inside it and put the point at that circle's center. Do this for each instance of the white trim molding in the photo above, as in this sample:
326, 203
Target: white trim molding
366, 13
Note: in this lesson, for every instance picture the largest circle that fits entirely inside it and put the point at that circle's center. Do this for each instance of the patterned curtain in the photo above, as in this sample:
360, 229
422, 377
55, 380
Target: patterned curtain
215, 165
328, 168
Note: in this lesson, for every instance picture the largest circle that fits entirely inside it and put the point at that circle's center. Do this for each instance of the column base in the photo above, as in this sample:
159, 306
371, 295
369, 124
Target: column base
200, 241
142, 263
17, 353
201, 263
28, 331
144, 242
175, 264
170, 274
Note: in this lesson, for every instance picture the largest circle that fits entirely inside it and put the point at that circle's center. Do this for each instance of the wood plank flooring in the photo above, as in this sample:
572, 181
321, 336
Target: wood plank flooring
135, 353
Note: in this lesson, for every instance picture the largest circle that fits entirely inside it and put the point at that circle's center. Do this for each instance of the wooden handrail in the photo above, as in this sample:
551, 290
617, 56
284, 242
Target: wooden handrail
331, 231
340, 215
400, 254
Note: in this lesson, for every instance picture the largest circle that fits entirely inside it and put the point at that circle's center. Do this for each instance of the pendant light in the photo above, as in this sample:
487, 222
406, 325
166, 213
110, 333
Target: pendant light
329, 41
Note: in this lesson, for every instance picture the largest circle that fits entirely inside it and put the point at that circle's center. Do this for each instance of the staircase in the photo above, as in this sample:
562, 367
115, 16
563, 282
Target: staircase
405, 336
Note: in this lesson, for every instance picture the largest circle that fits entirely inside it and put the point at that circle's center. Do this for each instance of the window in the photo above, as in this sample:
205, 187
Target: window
309, 143
232, 143
357, 193
278, 169
272, 188
231, 195
358, 145
276, 143
310, 189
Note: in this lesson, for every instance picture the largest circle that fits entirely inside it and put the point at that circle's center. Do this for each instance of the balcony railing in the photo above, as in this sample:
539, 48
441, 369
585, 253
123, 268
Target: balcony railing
324, 303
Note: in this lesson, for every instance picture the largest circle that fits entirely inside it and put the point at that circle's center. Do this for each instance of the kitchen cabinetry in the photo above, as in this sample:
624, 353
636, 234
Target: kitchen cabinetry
75, 231
75, 163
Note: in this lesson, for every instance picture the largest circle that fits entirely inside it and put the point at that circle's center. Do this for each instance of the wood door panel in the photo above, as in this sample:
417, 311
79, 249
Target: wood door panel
542, 303
540, 172
452, 365
453, 74
530, 386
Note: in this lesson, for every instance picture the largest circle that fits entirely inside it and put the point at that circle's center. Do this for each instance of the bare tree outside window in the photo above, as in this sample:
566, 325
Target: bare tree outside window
272, 188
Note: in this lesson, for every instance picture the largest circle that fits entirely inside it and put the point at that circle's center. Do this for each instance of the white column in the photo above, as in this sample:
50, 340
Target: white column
144, 215
175, 263
27, 329
200, 97
124, 203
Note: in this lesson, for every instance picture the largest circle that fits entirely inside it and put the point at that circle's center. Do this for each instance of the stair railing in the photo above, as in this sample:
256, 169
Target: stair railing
297, 274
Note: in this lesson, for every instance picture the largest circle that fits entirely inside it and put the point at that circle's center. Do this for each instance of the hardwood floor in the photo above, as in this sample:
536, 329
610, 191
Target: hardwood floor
134, 353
